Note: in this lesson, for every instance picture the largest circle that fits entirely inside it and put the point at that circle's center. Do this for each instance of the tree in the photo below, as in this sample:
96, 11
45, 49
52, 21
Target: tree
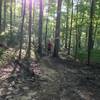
30, 23
0, 14
22, 25
70, 34
33, 13
57, 32
14, 11
5, 14
40, 28
90, 36
47, 20
11, 2
67, 25
77, 42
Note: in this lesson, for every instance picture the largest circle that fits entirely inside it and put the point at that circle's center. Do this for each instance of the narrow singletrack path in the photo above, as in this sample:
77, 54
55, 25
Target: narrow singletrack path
54, 79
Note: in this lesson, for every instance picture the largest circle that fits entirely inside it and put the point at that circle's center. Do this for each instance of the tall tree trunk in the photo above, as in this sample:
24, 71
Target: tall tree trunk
77, 42
90, 36
70, 34
40, 28
30, 25
57, 32
47, 27
14, 12
67, 26
22, 24
33, 18
11, 18
0, 14
5, 14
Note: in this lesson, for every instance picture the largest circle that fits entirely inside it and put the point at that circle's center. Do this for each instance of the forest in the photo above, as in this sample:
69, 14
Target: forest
50, 49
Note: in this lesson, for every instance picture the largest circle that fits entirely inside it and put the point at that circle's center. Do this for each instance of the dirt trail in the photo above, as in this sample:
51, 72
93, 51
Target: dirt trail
71, 81
60, 89
58, 80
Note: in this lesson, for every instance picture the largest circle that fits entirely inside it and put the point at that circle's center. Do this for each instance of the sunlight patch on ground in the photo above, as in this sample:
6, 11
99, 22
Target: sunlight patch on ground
48, 73
5, 72
7, 56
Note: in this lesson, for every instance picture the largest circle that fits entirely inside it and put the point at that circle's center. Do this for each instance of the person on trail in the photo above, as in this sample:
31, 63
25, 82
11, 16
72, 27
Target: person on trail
49, 47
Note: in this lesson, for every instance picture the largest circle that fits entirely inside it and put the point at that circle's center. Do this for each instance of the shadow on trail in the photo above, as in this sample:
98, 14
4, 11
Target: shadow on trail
56, 79
80, 80
18, 81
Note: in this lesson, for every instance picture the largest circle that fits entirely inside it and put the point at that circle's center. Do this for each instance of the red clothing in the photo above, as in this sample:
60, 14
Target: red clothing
49, 45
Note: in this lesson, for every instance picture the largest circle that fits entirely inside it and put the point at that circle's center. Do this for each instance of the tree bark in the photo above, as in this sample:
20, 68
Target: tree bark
57, 32
90, 36
70, 34
76, 47
11, 18
46, 32
40, 29
14, 12
30, 29
21, 32
5, 14
0, 15
67, 26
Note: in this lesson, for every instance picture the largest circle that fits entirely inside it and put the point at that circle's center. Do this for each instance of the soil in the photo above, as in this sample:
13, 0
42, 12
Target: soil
54, 79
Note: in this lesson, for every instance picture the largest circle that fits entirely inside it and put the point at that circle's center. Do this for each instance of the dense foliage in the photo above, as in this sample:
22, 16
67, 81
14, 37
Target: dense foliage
71, 25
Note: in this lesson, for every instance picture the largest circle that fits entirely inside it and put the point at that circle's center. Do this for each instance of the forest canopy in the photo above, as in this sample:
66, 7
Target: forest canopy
72, 26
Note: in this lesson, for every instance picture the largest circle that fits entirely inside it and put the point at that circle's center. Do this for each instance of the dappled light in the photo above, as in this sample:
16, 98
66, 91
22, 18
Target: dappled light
49, 49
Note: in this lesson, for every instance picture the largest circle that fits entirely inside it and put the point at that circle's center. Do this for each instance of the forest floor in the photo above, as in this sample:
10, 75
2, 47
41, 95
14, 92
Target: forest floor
55, 79
70, 80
